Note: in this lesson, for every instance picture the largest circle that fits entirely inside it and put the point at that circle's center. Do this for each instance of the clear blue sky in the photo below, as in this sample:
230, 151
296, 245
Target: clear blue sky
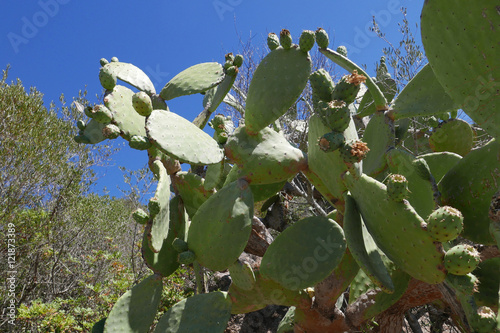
56, 45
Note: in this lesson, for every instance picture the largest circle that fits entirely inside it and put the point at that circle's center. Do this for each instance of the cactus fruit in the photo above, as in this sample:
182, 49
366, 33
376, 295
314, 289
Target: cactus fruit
142, 103
461, 259
465, 284
81, 125
335, 115
232, 71
322, 38
285, 39
322, 84
229, 57
103, 62
354, 151
331, 141
445, 224
273, 42
179, 245
238, 60
186, 257
140, 216
139, 142
114, 59
107, 79
397, 187
101, 114
306, 41
342, 50
348, 87
484, 321
111, 131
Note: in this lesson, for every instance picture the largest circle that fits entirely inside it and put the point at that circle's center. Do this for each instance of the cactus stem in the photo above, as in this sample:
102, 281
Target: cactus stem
378, 96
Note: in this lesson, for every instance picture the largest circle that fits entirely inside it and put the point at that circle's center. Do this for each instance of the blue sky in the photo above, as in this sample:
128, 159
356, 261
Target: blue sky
56, 45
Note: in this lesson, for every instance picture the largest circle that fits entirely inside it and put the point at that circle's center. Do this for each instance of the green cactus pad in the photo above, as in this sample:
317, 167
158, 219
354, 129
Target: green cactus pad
360, 285
136, 309
454, 135
93, 132
220, 229
461, 259
305, 253
165, 262
242, 275
445, 224
397, 230
489, 281
422, 96
440, 163
158, 226
192, 191
379, 136
207, 313
213, 176
265, 292
219, 93
265, 158
421, 195
469, 187
328, 167
193, 80
132, 75
119, 102
182, 140
99, 326
468, 34
273, 89
363, 247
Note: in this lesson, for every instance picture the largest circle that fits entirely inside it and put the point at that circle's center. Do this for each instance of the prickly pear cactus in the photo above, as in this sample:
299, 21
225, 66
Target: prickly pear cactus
394, 227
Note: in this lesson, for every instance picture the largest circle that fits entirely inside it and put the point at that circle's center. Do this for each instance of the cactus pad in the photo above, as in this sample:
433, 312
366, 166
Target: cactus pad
397, 230
200, 313
136, 309
468, 34
132, 75
363, 248
191, 188
469, 187
242, 275
193, 80
422, 96
264, 158
227, 218
305, 253
379, 136
142, 103
119, 102
273, 90
182, 140
454, 135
